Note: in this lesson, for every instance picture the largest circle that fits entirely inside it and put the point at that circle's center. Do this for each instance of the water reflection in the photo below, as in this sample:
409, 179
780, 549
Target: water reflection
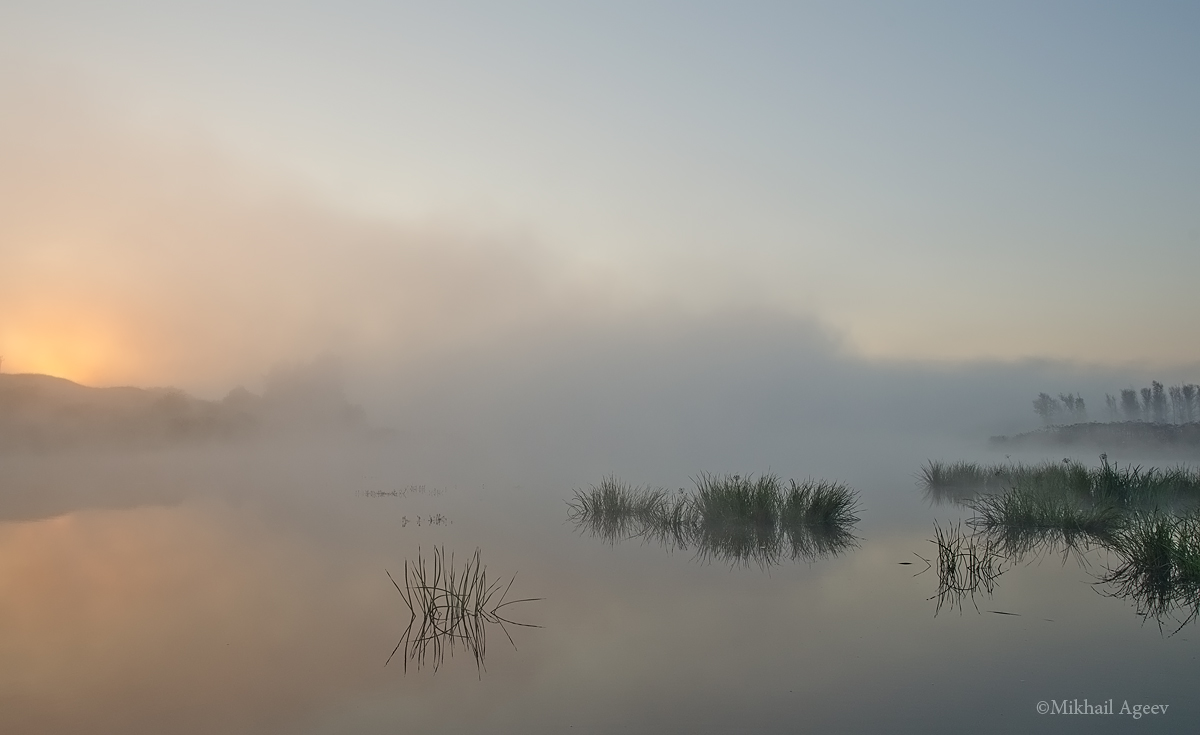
1144, 520
1131, 486
967, 565
192, 619
1159, 568
451, 606
1157, 564
730, 518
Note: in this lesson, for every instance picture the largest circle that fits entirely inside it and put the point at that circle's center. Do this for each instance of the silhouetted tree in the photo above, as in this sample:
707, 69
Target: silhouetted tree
1189, 402
1047, 408
1147, 402
1111, 404
1129, 404
1176, 394
1160, 402
1073, 406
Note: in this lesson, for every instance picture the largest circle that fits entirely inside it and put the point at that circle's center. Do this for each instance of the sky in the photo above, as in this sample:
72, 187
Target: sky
192, 192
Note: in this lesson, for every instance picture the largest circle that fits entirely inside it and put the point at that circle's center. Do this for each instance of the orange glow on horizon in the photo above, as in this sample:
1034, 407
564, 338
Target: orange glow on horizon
81, 350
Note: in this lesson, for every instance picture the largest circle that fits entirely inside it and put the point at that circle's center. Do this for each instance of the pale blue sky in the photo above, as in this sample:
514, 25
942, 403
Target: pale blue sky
934, 180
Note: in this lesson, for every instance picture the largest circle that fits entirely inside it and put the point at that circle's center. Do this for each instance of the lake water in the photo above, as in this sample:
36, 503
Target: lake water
244, 591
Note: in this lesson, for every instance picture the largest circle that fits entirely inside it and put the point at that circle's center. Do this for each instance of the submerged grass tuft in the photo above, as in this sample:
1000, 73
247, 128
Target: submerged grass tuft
450, 606
967, 565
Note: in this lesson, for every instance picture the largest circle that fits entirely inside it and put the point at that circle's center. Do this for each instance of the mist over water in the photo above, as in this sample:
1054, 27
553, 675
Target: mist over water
233, 413
238, 583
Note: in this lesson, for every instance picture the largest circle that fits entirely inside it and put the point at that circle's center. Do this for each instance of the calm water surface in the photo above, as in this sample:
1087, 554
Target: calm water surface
245, 592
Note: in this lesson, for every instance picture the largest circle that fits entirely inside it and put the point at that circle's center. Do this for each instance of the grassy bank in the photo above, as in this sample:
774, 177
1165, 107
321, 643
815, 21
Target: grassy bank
1109, 483
1142, 436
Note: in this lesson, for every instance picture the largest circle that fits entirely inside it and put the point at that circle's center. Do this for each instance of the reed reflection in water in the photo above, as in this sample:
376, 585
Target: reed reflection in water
1145, 520
967, 565
451, 606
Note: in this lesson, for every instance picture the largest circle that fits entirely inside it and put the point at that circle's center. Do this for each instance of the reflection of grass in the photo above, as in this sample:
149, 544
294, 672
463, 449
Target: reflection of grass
1147, 518
1159, 555
967, 564
738, 518
959, 482
1160, 570
449, 606
730, 517
614, 509
1023, 519
816, 517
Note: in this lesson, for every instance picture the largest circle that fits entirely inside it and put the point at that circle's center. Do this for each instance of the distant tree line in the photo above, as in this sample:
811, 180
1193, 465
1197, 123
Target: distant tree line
1176, 404
1053, 410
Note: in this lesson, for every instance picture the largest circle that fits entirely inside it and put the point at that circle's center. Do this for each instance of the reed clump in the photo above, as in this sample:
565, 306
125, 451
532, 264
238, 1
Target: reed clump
1146, 518
1127, 486
615, 510
817, 516
939, 475
450, 606
1160, 567
729, 517
1024, 519
735, 500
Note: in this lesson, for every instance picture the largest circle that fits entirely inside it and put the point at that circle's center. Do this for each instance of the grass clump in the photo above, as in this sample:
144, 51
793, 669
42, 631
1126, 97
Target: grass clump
1129, 486
1160, 567
729, 517
949, 475
1147, 518
817, 516
819, 503
615, 510
1024, 519
1132, 485
737, 518
732, 499
959, 482
449, 606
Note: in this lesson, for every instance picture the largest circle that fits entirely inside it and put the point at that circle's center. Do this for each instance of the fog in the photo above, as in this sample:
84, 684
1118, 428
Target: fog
134, 256
293, 295
197, 548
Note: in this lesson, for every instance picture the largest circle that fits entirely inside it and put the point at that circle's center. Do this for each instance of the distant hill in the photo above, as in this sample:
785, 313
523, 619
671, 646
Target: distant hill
1130, 436
45, 413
